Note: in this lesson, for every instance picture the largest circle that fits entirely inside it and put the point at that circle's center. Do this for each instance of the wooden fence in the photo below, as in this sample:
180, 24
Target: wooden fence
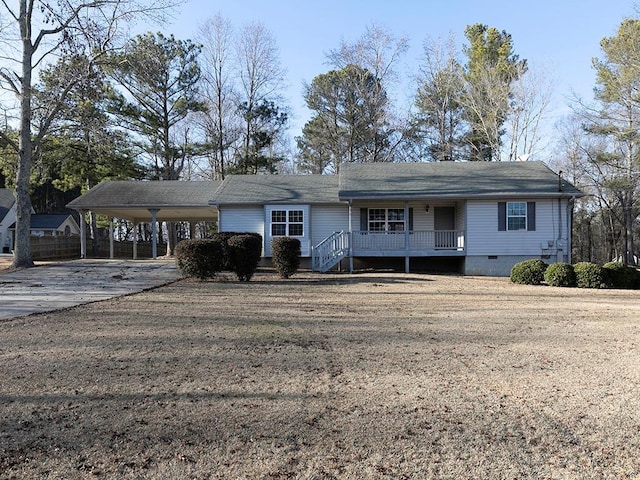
60, 248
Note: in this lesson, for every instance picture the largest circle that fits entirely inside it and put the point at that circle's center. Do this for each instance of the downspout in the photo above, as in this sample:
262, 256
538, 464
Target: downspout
406, 237
570, 204
559, 251
350, 237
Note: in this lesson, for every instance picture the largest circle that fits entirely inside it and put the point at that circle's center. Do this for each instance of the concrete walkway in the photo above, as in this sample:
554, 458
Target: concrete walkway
58, 285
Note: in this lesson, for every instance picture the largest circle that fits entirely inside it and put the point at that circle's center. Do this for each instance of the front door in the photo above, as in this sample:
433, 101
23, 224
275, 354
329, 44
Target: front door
445, 226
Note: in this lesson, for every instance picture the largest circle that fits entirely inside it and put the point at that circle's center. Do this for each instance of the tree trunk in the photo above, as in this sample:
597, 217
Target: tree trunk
22, 247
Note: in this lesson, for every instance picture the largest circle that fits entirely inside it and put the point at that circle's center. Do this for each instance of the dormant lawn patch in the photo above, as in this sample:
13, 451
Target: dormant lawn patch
327, 376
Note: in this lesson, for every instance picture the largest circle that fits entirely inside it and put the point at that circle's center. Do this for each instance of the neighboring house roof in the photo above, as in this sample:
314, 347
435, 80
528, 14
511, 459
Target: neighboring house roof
274, 189
6, 202
175, 199
451, 180
48, 222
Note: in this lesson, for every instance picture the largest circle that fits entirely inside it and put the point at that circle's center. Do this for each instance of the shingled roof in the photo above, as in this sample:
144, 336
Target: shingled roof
174, 199
274, 189
451, 180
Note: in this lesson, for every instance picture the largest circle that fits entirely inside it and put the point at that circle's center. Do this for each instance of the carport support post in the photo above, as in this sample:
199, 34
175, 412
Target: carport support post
111, 238
135, 240
83, 234
154, 232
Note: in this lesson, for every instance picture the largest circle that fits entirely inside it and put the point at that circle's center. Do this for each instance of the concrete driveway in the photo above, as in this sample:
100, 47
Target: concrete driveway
59, 285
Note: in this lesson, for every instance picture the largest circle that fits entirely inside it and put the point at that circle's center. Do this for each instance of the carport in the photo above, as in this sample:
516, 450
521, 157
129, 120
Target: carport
146, 202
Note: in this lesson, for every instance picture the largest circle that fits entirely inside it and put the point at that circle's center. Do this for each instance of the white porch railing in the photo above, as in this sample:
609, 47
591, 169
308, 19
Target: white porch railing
419, 241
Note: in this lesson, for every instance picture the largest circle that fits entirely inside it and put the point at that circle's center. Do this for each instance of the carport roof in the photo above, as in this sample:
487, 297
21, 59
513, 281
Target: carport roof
175, 200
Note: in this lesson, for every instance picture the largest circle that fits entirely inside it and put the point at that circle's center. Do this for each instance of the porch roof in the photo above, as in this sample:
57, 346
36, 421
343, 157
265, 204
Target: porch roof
457, 180
175, 200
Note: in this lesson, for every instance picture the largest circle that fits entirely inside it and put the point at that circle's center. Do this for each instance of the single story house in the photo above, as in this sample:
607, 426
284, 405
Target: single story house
478, 218
52, 225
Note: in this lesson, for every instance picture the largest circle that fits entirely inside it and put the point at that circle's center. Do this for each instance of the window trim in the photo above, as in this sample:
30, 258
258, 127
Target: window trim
387, 221
530, 216
523, 216
288, 223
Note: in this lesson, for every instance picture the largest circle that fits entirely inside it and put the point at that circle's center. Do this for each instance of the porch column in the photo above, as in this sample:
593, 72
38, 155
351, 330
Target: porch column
154, 232
192, 230
406, 237
350, 239
111, 238
83, 235
135, 240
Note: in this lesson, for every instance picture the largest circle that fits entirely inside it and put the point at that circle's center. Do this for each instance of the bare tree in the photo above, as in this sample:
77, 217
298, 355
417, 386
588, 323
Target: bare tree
34, 34
438, 121
261, 80
531, 93
377, 52
218, 62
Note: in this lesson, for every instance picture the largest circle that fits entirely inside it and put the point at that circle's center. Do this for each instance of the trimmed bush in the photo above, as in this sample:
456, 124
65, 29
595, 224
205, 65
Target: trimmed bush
591, 275
245, 251
529, 272
223, 237
201, 258
285, 255
622, 276
560, 275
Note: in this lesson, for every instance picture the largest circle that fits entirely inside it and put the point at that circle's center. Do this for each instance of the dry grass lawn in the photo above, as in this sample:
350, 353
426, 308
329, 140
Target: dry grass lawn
327, 377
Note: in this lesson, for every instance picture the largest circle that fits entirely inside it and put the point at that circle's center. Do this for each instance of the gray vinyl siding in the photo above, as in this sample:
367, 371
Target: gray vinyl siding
242, 219
327, 219
483, 237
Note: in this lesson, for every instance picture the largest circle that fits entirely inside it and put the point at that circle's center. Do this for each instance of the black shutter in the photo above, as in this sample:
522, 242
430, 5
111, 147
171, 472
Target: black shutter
531, 216
411, 219
364, 219
502, 216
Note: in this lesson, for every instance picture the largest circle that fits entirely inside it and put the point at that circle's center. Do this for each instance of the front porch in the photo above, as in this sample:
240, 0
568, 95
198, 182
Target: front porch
429, 243
407, 244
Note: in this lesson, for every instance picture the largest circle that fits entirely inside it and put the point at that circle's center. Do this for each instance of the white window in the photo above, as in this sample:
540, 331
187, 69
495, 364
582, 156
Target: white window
287, 223
386, 220
516, 215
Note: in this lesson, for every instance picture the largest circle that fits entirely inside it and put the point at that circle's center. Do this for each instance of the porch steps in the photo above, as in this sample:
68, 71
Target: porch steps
330, 251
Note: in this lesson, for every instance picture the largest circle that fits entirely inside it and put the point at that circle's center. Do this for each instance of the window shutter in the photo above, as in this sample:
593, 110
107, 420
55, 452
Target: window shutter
502, 216
364, 219
531, 216
411, 219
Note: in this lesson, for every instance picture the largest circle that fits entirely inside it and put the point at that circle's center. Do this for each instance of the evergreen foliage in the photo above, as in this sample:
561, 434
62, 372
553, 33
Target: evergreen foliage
528, 272
245, 251
622, 276
591, 275
560, 275
201, 258
285, 253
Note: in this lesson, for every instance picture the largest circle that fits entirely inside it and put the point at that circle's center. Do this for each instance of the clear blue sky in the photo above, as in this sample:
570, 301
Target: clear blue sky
563, 35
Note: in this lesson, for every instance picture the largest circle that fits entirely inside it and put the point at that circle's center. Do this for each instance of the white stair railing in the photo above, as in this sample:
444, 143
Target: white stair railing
330, 251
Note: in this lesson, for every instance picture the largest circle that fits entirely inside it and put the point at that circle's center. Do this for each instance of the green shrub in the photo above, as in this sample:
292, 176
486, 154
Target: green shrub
223, 238
560, 275
245, 251
285, 253
528, 272
199, 258
622, 276
591, 275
